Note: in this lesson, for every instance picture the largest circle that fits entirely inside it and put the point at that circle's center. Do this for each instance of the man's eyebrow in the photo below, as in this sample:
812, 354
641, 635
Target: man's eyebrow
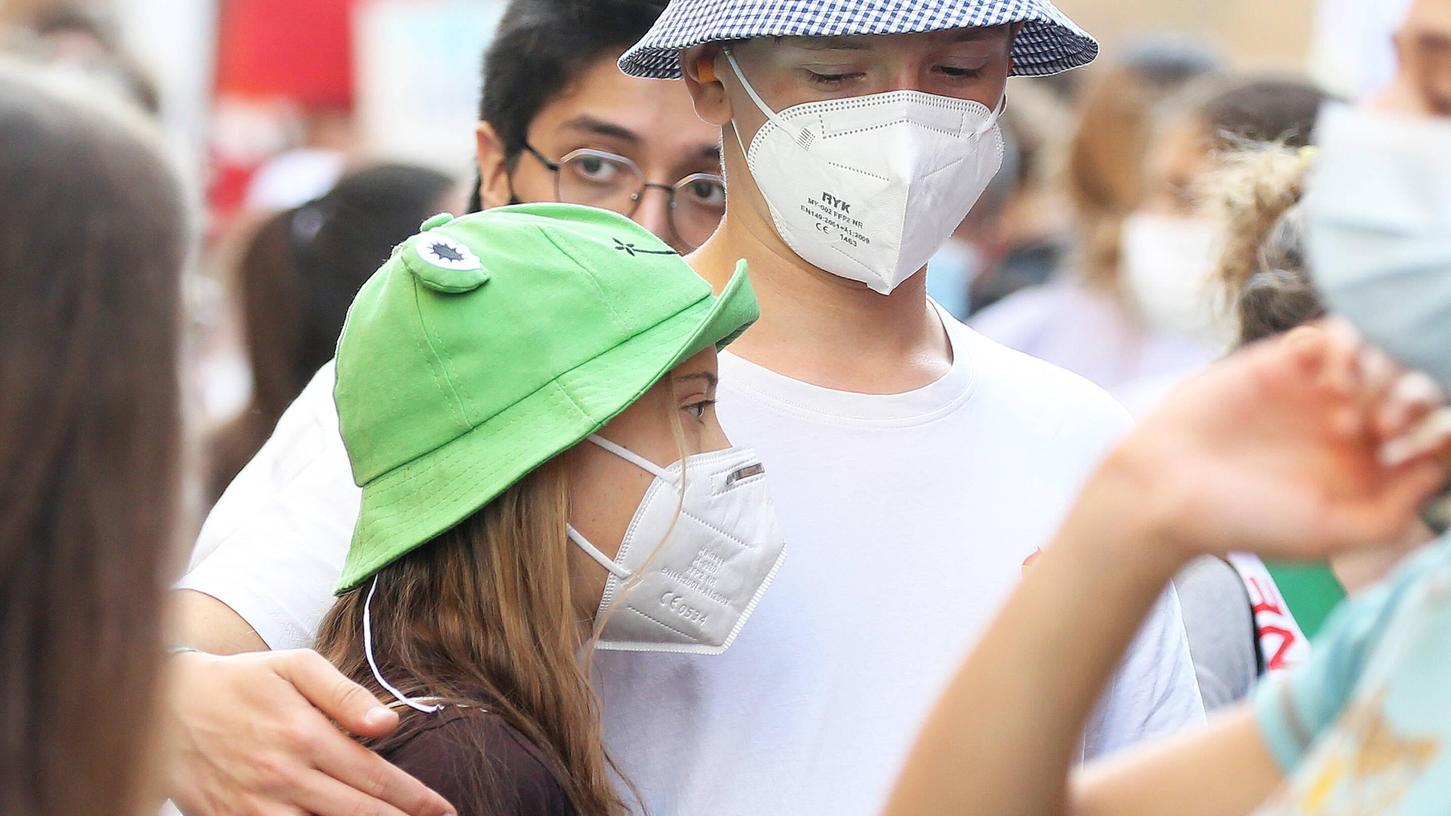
827, 43
599, 127
974, 33
710, 379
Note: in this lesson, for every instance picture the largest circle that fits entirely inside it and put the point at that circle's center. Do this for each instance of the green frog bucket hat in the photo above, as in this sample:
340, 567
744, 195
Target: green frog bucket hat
490, 343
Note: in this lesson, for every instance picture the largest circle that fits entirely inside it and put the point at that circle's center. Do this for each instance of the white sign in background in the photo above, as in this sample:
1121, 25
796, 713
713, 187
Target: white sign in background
417, 64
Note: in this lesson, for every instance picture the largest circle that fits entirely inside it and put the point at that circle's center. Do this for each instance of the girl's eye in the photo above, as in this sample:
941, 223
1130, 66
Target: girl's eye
698, 409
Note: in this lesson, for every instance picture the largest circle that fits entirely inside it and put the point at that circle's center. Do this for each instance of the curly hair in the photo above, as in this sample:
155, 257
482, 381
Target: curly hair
1261, 268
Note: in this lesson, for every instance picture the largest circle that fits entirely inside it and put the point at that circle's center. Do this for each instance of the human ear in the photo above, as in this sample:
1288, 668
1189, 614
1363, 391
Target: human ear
1013, 31
699, 69
494, 186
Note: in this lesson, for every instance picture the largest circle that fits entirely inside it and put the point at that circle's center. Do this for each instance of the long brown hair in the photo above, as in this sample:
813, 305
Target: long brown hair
483, 615
93, 237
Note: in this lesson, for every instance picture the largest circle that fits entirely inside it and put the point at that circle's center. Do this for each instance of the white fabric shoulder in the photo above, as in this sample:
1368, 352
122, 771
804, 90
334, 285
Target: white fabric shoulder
1081, 405
273, 546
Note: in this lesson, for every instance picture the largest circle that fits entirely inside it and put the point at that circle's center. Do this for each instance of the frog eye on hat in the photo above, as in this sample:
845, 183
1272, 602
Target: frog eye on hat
442, 251
448, 265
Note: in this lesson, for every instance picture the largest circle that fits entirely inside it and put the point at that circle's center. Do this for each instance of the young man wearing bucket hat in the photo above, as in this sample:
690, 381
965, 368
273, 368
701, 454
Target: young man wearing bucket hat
917, 467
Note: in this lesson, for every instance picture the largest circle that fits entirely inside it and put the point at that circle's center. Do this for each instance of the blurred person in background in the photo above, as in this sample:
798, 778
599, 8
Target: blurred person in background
1262, 269
955, 271
1018, 233
297, 276
1080, 321
79, 41
1142, 316
1304, 447
91, 441
558, 122
1170, 246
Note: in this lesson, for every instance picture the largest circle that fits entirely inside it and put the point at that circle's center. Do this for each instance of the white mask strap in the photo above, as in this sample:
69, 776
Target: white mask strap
993, 120
803, 136
750, 91
372, 664
594, 552
630, 456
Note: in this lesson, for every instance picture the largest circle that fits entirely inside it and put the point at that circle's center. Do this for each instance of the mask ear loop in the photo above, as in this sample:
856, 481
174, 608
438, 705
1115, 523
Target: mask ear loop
594, 552
638, 461
993, 119
804, 137
630, 456
373, 664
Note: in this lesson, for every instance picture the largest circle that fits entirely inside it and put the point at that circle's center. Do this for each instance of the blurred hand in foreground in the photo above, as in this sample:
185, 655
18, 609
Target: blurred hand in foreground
1300, 447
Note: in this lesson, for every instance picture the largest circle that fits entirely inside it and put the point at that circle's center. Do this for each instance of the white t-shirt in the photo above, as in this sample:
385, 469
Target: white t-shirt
909, 519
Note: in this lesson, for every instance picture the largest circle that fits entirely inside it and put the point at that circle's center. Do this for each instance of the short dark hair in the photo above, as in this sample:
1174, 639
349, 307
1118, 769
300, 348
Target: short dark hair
539, 49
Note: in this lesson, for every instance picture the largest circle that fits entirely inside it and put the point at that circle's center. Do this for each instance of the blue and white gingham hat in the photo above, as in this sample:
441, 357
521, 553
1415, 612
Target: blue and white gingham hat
1049, 42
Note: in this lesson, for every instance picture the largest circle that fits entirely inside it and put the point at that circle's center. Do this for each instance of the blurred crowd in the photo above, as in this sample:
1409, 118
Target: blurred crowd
334, 483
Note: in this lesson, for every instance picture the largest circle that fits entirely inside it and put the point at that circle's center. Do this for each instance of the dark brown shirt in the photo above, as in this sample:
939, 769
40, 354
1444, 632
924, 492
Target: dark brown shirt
478, 762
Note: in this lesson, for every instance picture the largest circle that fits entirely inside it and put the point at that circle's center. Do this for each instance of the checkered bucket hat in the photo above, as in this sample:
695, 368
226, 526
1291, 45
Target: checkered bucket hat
1049, 42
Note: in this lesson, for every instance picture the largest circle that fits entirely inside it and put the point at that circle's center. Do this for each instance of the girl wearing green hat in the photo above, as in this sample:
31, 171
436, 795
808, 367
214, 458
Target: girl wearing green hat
493, 551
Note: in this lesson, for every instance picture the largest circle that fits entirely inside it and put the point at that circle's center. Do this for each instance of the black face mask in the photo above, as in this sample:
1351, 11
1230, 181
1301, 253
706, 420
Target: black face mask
476, 198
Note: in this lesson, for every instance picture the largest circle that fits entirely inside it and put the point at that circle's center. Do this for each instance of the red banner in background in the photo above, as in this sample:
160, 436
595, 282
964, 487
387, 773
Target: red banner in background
301, 50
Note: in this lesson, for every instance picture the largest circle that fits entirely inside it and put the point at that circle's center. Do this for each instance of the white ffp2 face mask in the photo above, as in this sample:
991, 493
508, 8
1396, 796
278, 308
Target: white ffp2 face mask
869, 188
691, 567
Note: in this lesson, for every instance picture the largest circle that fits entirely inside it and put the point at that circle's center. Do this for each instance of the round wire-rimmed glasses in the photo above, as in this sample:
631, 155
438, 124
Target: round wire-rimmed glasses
597, 178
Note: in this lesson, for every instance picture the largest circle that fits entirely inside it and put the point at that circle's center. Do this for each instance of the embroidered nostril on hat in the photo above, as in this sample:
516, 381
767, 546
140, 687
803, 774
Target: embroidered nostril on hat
448, 265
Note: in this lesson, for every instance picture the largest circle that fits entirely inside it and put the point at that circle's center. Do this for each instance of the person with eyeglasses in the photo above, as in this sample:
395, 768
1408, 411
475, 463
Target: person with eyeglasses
694, 205
558, 123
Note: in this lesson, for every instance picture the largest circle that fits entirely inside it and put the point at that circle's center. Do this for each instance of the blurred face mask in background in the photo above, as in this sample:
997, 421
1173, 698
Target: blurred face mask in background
1378, 231
950, 275
1167, 261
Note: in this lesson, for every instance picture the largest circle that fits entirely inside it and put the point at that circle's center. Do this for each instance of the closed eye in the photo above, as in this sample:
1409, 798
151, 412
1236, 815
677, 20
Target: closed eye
956, 72
831, 80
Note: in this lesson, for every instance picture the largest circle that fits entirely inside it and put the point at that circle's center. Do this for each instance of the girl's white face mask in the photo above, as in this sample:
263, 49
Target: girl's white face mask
691, 568
870, 187
694, 562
